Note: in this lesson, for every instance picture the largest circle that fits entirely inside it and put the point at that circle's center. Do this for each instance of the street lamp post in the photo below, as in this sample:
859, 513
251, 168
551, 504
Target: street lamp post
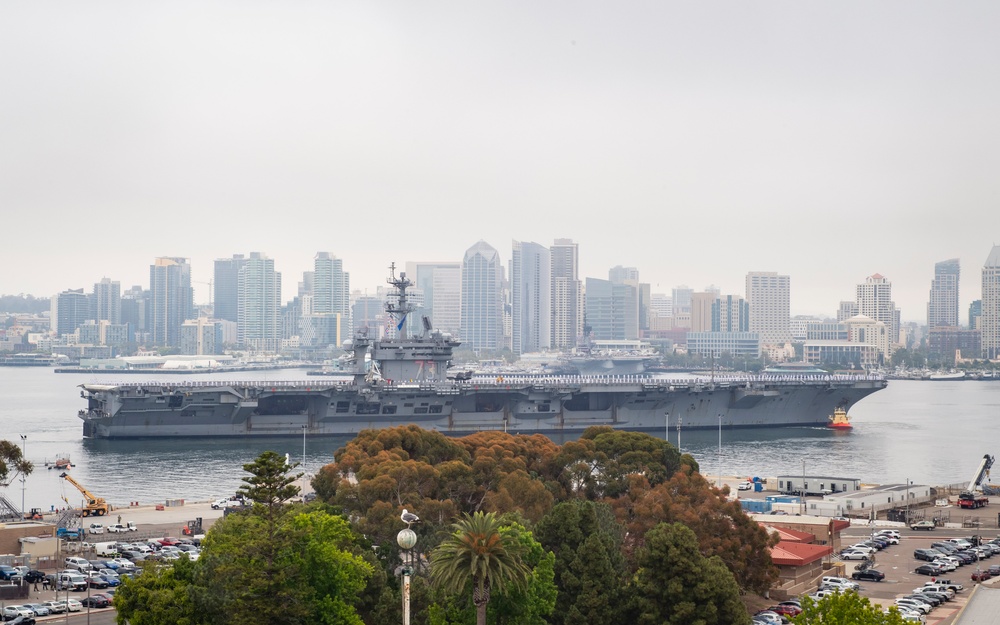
304, 428
407, 540
24, 438
908, 501
802, 495
720, 450
679, 433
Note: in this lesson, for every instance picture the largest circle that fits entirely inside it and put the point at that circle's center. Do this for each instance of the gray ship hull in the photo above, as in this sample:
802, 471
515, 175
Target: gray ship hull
557, 405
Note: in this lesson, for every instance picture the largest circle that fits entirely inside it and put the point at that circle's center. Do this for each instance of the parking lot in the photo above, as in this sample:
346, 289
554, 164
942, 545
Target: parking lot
898, 564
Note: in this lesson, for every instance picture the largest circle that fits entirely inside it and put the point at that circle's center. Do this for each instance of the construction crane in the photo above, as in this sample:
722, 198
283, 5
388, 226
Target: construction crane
96, 506
969, 498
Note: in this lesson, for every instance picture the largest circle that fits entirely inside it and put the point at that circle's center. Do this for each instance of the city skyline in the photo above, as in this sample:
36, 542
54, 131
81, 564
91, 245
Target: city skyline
695, 142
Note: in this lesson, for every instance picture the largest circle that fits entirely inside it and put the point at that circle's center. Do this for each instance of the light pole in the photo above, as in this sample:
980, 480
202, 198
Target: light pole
907, 501
720, 450
304, 428
802, 495
24, 438
679, 433
407, 540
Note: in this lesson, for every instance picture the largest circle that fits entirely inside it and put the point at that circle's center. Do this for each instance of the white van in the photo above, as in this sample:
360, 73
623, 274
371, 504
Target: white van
106, 550
71, 581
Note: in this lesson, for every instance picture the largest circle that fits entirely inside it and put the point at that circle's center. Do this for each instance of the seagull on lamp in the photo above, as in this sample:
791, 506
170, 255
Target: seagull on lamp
409, 518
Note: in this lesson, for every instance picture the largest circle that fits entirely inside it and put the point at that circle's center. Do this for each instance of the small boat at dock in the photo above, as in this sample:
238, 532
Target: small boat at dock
839, 419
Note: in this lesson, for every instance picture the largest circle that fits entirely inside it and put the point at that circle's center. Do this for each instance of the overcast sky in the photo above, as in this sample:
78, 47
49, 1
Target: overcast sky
696, 141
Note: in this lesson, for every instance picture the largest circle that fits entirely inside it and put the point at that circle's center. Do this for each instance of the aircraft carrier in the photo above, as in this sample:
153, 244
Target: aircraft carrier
402, 380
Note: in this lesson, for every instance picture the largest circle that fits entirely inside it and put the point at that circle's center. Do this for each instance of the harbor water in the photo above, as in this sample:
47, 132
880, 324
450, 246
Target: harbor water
927, 432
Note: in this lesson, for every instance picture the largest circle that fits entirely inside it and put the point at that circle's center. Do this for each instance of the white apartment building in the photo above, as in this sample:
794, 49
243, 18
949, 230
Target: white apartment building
768, 295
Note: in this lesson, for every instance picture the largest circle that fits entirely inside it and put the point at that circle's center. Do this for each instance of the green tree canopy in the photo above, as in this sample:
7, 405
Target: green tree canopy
12, 463
479, 555
845, 609
676, 585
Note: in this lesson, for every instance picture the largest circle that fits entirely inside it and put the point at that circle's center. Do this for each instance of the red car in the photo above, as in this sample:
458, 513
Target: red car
981, 576
168, 541
786, 609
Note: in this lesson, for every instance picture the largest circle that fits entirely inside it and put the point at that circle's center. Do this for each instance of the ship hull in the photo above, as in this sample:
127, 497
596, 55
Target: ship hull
564, 405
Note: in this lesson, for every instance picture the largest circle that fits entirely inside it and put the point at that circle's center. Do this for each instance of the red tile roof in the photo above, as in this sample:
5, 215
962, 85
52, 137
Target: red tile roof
787, 553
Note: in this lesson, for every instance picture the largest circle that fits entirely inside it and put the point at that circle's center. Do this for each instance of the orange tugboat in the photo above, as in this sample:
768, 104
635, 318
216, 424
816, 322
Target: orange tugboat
839, 420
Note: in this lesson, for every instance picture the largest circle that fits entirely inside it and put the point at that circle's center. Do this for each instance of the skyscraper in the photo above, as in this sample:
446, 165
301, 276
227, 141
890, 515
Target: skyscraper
441, 285
989, 321
874, 298
942, 309
107, 301
171, 301
768, 296
226, 287
531, 292
730, 313
331, 288
259, 305
482, 300
612, 310
567, 302
69, 310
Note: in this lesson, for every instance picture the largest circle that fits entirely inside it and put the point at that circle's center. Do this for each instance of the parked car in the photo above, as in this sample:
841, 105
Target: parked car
980, 576
94, 601
927, 554
868, 575
946, 564
949, 583
767, 616
117, 528
922, 525
40, 609
9, 573
13, 611
745, 485
853, 554
913, 604
55, 607
22, 620
79, 564
928, 569
786, 609
96, 528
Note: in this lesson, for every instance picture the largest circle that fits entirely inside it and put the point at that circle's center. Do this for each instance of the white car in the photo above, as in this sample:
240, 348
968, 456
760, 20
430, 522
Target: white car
854, 554
117, 528
55, 607
11, 612
863, 547
946, 565
96, 528
745, 485
913, 604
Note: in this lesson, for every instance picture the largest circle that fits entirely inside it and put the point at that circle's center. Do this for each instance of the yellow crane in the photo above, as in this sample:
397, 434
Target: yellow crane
95, 505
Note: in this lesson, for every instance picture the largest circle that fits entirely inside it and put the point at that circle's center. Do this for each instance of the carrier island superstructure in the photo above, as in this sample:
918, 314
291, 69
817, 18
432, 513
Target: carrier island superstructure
402, 380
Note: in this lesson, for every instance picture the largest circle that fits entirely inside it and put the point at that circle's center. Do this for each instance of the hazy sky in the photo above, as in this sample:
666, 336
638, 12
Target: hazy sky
696, 141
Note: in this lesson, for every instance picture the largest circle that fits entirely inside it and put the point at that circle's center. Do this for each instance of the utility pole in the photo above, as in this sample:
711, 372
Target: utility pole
720, 450
24, 438
304, 428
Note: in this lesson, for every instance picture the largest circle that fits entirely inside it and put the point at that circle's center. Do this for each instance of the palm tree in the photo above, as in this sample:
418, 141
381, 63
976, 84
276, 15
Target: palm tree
478, 552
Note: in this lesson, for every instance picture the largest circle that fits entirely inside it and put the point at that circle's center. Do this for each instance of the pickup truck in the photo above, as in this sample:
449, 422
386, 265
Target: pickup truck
922, 525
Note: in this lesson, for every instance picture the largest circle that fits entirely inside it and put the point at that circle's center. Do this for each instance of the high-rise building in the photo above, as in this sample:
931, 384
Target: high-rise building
331, 288
846, 310
107, 302
226, 287
730, 313
975, 312
567, 293
768, 296
69, 310
259, 305
612, 310
482, 298
171, 299
701, 311
989, 322
441, 285
942, 309
661, 305
874, 299
531, 292
681, 298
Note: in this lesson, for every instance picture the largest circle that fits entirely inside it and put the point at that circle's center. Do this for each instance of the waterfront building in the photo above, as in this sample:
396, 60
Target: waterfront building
103, 332
875, 332
874, 297
730, 314
768, 295
482, 298
202, 336
107, 301
717, 343
843, 353
611, 310
226, 287
259, 306
69, 310
942, 308
531, 293
949, 341
567, 294
826, 331
171, 299
990, 316
331, 292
